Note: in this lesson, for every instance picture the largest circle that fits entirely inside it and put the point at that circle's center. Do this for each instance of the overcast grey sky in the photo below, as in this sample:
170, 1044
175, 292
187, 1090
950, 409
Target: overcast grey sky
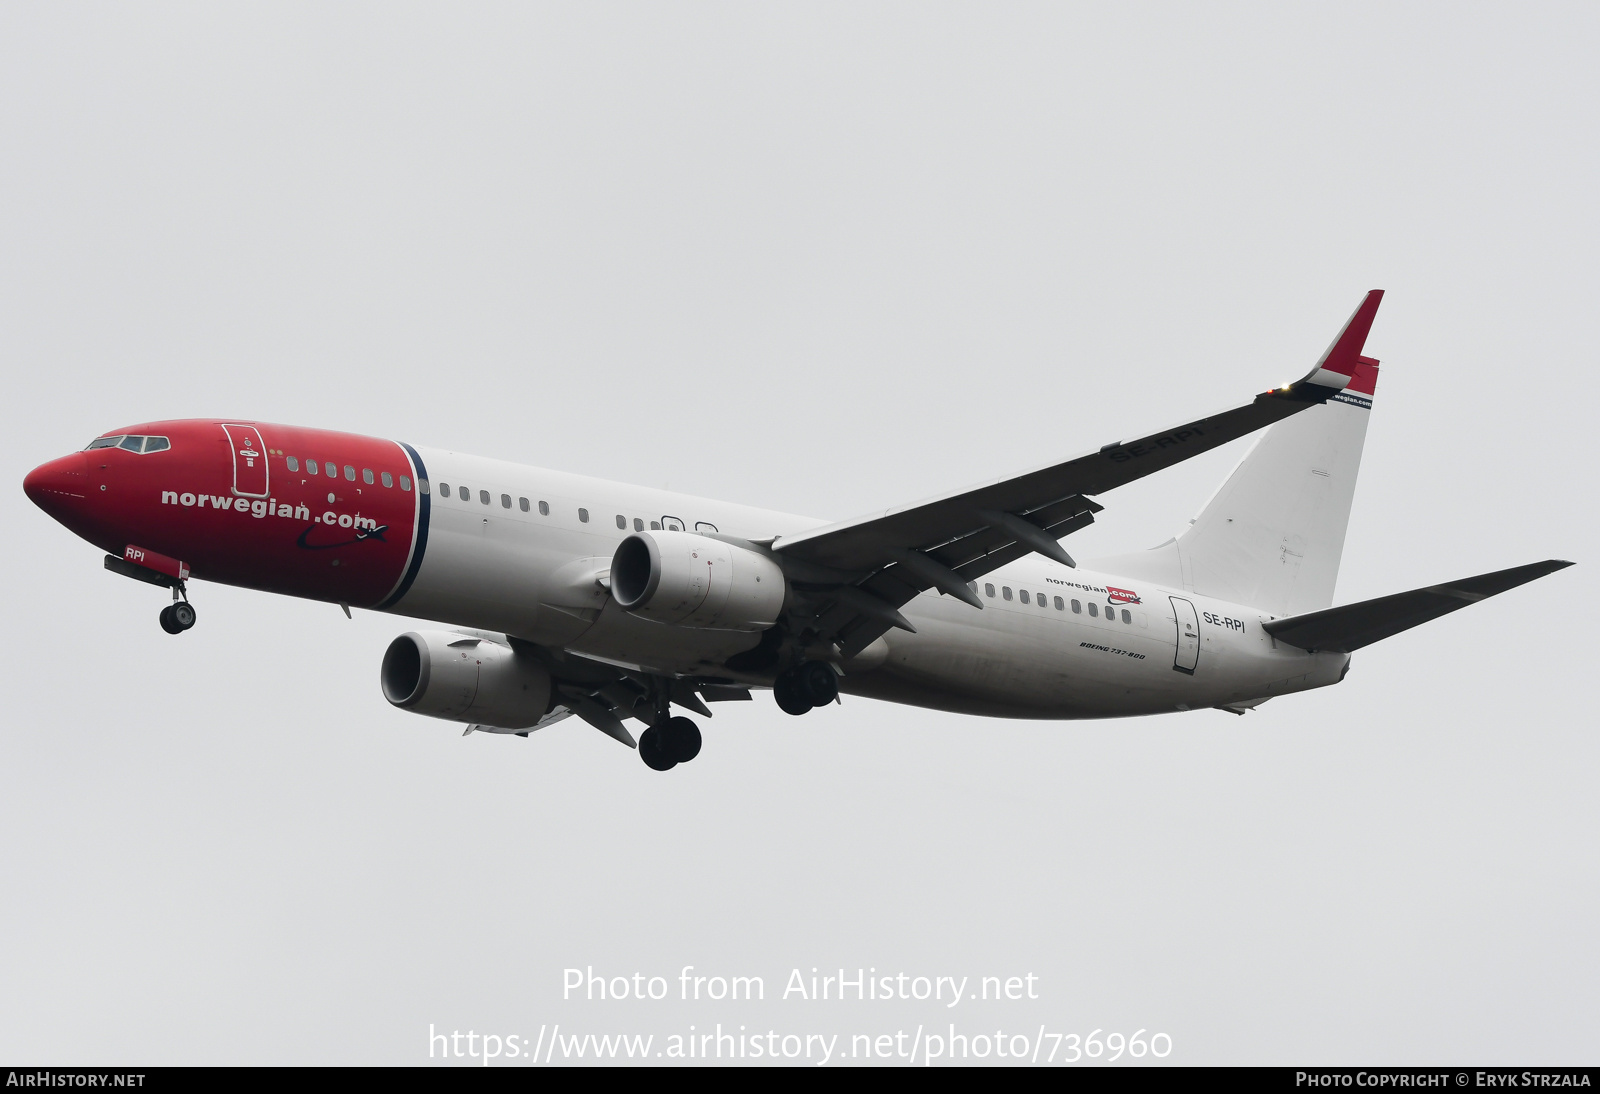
821, 258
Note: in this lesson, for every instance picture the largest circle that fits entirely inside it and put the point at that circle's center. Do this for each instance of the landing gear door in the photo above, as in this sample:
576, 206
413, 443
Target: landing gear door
1188, 624
249, 460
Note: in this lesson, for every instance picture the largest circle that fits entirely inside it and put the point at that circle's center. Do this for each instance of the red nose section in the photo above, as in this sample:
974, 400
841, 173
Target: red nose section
60, 487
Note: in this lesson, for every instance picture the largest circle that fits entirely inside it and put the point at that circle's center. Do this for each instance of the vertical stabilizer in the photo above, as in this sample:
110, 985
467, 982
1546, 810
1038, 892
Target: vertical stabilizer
1272, 536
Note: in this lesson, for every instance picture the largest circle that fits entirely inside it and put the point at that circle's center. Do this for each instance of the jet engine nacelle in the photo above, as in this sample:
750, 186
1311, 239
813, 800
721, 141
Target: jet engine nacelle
695, 581
465, 679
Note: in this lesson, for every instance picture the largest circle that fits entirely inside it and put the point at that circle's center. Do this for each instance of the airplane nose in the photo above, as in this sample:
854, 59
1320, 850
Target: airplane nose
59, 487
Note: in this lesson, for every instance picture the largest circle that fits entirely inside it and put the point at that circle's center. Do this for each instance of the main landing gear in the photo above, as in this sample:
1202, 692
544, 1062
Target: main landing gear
665, 746
812, 684
178, 616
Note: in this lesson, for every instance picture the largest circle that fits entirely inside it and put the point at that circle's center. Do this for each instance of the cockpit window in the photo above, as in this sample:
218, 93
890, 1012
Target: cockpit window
131, 443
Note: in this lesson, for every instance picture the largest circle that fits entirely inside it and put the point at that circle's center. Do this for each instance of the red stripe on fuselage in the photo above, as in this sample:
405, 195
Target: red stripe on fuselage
336, 538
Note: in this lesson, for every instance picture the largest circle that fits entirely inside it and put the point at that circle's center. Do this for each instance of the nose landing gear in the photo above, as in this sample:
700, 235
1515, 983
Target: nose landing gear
168, 573
178, 616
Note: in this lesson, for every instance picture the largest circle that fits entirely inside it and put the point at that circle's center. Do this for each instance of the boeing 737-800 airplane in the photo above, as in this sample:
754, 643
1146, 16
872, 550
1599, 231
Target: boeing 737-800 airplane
613, 602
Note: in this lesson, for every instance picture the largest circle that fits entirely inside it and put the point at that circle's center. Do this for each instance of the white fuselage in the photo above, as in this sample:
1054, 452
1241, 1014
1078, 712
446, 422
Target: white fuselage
1028, 654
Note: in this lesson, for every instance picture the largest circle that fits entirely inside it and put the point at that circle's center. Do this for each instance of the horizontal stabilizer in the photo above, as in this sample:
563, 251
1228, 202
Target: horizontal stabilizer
1351, 626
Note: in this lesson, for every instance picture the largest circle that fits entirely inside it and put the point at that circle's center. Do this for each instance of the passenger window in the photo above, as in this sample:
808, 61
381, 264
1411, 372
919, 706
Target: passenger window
388, 480
311, 467
544, 509
483, 496
988, 589
1005, 591
422, 485
156, 444
1060, 606
1077, 607
1023, 596
463, 493
294, 464
522, 503
505, 501
405, 483
1127, 616
1094, 611
583, 515
331, 468
638, 525
366, 476
132, 444
1042, 602
444, 489
655, 526
622, 522
349, 473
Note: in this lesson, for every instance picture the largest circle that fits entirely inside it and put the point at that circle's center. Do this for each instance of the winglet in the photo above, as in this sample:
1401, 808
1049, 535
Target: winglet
1343, 358
1342, 365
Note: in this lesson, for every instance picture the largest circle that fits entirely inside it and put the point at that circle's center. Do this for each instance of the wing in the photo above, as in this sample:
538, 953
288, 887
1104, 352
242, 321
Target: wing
854, 576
